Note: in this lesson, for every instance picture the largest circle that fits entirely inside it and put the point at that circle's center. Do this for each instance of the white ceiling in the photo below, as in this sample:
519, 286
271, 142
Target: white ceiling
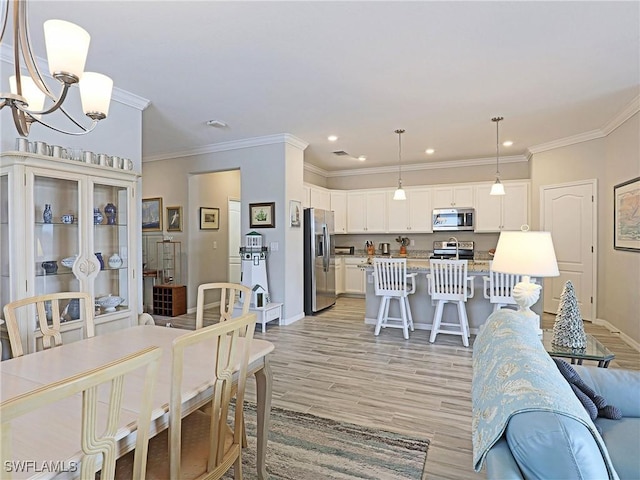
360, 70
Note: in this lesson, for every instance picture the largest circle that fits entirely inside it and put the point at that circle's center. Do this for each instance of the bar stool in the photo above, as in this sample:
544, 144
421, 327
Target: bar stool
498, 287
390, 282
448, 283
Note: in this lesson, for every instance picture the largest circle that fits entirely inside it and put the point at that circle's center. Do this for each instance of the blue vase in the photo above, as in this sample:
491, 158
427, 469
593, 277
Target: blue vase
110, 211
47, 215
100, 259
97, 216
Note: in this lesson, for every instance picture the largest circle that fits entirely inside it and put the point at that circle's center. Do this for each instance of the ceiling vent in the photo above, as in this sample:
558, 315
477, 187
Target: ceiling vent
341, 153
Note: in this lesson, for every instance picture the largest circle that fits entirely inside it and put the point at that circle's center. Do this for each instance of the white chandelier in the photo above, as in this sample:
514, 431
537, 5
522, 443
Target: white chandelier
67, 45
497, 188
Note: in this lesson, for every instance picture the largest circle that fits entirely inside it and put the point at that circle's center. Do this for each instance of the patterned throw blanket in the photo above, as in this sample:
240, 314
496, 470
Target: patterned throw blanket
512, 373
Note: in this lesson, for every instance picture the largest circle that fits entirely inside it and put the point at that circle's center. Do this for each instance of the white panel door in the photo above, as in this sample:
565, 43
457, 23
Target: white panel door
234, 241
568, 212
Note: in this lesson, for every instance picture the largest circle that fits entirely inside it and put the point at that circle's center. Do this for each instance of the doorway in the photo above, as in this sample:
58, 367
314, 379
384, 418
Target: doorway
234, 208
568, 211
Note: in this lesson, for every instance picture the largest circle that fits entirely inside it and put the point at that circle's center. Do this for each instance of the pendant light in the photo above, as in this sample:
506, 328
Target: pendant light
399, 193
497, 188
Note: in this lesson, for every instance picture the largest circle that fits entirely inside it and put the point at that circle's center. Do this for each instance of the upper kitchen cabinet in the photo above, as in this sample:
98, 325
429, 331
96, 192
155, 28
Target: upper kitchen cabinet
68, 226
339, 207
366, 211
453, 196
495, 213
320, 198
412, 214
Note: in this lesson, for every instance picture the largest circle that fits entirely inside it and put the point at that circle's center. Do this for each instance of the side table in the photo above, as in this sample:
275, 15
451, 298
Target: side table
271, 311
593, 351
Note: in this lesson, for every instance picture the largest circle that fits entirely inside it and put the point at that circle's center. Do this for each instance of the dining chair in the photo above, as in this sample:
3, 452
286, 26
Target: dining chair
98, 444
448, 282
228, 292
390, 282
205, 445
497, 288
50, 312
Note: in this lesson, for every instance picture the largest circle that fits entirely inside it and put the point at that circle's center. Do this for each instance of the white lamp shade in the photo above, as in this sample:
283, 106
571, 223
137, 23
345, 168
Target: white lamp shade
95, 92
497, 188
32, 94
399, 194
526, 253
67, 46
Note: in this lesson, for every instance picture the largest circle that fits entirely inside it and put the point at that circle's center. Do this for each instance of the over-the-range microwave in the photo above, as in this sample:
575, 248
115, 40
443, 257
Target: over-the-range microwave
450, 219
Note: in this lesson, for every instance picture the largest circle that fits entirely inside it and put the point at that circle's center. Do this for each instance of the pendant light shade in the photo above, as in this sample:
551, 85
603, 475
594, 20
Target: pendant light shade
399, 194
497, 188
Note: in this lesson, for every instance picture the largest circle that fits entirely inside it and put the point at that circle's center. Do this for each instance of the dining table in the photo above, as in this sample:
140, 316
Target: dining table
48, 438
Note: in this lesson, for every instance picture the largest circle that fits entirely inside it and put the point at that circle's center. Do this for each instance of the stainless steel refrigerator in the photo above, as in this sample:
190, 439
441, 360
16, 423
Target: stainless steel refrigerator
319, 260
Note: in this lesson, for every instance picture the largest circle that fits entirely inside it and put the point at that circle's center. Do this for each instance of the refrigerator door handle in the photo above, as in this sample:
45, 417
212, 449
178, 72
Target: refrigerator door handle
327, 248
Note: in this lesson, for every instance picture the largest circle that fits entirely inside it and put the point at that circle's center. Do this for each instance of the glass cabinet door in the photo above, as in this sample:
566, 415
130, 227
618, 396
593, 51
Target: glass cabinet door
5, 272
111, 247
56, 234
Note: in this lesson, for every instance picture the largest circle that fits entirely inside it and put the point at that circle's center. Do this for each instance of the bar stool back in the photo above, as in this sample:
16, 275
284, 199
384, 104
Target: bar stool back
390, 282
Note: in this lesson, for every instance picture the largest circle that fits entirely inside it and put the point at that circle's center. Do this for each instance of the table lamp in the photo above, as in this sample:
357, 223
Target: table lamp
529, 254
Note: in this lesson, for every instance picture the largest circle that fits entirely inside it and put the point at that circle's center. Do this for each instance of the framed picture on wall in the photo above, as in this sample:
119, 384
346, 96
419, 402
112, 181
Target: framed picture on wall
262, 215
295, 213
626, 216
209, 218
174, 219
152, 214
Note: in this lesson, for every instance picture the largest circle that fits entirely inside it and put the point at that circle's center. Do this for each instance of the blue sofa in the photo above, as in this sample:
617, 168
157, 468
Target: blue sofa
527, 423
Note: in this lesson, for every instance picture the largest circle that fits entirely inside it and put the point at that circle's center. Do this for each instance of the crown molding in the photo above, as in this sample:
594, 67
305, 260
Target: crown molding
471, 162
625, 114
119, 95
232, 145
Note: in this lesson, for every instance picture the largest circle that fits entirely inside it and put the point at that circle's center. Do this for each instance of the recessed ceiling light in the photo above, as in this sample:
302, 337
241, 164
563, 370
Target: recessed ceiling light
332, 138
508, 143
429, 151
362, 158
216, 124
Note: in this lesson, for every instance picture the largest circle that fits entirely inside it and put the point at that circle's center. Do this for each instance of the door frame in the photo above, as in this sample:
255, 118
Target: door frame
230, 233
593, 183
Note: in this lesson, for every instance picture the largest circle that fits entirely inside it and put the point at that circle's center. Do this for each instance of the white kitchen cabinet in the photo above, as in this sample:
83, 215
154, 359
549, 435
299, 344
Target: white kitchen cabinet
92, 253
339, 207
354, 276
367, 211
320, 198
495, 213
456, 196
412, 214
339, 275
306, 199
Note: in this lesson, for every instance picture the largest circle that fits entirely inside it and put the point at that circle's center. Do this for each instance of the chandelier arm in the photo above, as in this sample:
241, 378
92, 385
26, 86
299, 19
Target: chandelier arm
27, 53
57, 104
85, 130
5, 19
78, 124
20, 120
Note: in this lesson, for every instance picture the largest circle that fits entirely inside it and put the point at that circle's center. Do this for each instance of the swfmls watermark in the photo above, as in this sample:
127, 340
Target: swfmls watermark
36, 466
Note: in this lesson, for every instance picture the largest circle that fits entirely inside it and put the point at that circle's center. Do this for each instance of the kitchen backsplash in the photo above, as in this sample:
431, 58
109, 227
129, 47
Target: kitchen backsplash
423, 242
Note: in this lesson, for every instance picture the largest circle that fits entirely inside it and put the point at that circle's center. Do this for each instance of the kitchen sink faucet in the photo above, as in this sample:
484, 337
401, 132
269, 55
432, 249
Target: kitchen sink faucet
457, 246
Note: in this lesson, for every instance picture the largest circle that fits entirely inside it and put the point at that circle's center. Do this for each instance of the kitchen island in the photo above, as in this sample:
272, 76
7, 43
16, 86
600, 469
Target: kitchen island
478, 308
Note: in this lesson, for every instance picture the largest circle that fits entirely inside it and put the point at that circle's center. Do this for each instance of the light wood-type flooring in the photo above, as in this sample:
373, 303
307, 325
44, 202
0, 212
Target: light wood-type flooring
331, 365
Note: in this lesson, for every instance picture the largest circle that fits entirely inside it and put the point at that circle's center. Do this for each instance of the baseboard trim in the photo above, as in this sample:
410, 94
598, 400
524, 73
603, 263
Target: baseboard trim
208, 305
416, 325
616, 331
290, 320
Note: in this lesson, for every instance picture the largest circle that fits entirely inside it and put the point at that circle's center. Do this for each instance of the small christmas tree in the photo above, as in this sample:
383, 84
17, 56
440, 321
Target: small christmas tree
568, 331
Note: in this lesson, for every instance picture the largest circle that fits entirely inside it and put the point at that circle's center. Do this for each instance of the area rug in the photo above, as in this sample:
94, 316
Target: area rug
306, 447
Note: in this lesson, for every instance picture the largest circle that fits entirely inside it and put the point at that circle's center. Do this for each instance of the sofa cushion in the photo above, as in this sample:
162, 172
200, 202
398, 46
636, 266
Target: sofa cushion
550, 445
623, 443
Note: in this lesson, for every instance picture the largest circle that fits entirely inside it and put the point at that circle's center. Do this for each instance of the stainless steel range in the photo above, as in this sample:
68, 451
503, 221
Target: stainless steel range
452, 248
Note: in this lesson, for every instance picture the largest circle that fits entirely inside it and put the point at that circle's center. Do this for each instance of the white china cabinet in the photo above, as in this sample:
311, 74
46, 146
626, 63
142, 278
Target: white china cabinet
86, 241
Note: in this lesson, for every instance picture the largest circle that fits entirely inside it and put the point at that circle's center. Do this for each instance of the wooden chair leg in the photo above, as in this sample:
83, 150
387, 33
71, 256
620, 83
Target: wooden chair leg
405, 320
464, 324
437, 319
409, 315
381, 312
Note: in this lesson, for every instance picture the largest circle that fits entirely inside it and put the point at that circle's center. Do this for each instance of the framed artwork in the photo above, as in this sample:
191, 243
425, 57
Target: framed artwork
209, 218
626, 216
295, 213
152, 214
262, 215
174, 219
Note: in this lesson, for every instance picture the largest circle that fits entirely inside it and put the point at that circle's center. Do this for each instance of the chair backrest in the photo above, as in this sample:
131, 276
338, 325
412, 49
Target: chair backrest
500, 286
228, 292
390, 276
49, 312
230, 353
99, 447
448, 280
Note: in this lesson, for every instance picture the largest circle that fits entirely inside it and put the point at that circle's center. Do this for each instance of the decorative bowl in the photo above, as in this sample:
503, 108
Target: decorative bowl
69, 261
109, 302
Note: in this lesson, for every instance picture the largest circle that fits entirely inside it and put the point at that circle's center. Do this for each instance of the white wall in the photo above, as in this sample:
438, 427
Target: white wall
269, 173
